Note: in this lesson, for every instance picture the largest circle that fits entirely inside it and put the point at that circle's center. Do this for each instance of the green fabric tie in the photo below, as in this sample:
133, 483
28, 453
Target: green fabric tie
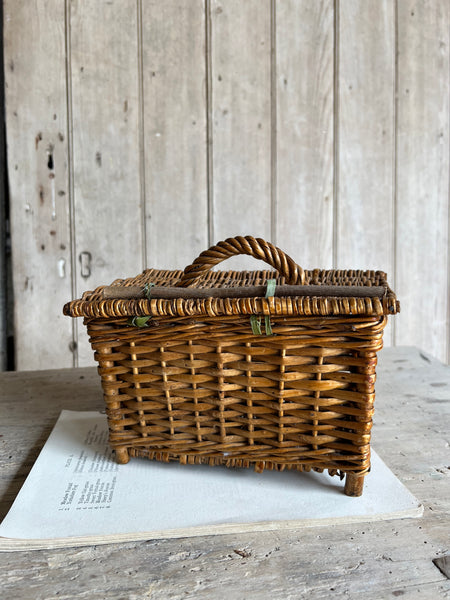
139, 321
148, 290
271, 285
255, 321
142, 321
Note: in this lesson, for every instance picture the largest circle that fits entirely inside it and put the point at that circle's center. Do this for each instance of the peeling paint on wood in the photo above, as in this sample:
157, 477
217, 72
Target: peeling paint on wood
107, 197
34, 44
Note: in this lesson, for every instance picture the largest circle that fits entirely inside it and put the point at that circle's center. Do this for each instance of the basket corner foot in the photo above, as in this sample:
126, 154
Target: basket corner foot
354, 484
122, 456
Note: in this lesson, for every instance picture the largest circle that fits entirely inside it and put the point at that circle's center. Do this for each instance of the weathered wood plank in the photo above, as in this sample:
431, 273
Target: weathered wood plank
105, 109
38, 181
366, 135
423, 175
175, 131
375, 560
304, 144
163, 84
365, 144
5, 297
241, 125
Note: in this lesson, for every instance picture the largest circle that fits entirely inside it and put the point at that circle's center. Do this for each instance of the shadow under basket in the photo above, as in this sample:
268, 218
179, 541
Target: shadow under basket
232, 368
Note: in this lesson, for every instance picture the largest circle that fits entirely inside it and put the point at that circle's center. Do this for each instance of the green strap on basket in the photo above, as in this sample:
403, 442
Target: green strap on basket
255, 321
139, 321
271, 285
143, 321
148, 290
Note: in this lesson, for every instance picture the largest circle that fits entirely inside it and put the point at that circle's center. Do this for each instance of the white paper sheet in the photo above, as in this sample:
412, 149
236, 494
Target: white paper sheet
76, 494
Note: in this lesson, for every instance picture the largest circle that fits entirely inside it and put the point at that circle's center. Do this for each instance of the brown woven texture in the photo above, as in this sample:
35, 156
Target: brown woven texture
196, 385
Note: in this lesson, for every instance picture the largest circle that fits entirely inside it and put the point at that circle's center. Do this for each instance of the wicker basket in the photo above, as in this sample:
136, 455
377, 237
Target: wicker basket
209, 370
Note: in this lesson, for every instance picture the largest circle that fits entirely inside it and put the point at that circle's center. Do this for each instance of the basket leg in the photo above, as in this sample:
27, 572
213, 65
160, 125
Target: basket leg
354, 483
122, 456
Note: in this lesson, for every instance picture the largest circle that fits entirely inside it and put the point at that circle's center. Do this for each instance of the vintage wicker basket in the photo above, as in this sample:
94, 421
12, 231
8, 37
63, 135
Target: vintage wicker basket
203, 368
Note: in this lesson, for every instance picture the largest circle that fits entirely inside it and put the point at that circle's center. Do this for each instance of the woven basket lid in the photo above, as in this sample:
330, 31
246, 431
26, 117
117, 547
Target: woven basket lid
328, 293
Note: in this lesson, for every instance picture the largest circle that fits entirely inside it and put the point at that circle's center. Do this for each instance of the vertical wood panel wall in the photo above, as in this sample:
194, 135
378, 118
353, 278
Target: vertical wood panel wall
140, 132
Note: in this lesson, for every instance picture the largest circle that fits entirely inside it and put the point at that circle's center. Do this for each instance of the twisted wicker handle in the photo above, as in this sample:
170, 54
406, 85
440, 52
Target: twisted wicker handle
251, 246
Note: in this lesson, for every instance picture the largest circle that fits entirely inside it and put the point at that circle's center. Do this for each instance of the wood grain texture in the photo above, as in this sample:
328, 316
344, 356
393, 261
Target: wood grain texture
372, 561
5, 295
175, 131
105, 108
38, 181
241, 128
322, 126
423, 174
366, 136
304, 124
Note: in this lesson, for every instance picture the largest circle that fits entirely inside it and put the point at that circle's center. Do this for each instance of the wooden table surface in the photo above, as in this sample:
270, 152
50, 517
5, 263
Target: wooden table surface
379, 560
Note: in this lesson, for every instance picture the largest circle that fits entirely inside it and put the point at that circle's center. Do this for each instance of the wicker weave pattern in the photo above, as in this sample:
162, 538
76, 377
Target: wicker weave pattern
213, 392
196, 385
93, 305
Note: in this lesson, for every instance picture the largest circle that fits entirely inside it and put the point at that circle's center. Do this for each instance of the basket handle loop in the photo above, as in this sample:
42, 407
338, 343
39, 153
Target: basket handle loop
249, 245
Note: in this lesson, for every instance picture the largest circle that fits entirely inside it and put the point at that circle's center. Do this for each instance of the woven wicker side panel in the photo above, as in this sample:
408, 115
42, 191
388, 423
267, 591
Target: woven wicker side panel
210, 391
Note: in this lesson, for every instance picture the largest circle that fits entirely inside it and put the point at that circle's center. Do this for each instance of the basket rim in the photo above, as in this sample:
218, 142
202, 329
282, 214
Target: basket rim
92, 304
